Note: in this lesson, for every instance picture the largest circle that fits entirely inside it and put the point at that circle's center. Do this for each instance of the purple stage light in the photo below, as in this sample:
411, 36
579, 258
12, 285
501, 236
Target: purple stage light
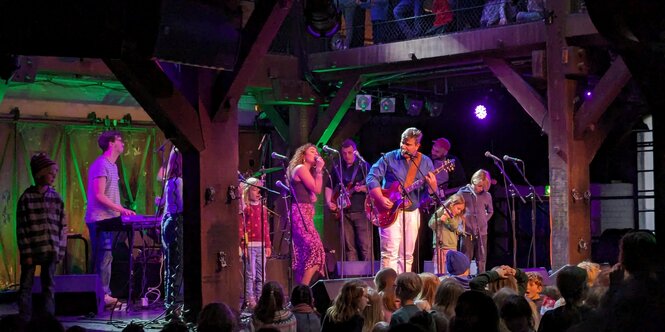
587, 93
480, 112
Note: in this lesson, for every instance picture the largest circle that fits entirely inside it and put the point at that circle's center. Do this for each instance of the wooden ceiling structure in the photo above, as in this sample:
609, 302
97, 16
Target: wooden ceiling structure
197, 109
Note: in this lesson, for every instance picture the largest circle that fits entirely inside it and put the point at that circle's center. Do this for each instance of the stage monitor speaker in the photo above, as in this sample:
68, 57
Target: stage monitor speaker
75, 294
547, 281
357, 269
325, 291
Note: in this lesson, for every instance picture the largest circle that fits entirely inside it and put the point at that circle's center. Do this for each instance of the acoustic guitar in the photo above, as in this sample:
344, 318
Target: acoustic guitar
383, 217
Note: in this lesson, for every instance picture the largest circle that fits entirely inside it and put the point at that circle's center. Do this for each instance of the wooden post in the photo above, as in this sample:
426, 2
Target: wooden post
569, 165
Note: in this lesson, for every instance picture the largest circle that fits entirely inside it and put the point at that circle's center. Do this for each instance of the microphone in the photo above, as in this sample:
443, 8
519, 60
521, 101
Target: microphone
357, 154
282, 186
489, 155
409, 154
329, 149
509, 158
278, 156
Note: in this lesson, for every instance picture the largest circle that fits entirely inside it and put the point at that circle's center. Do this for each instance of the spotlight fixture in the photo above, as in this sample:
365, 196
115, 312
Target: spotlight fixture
413, 106
434, 107
363, 103
387, 105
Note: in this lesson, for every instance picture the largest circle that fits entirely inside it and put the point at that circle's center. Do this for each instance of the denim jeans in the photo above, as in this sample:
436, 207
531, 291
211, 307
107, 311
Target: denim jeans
357, 236
172, 238
101, 240
25, 290
254, 273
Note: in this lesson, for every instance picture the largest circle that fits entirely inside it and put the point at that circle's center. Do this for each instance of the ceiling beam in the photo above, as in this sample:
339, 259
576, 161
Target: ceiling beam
330, 120
277, 121
155, 92
257, 36
532, 102
604, 93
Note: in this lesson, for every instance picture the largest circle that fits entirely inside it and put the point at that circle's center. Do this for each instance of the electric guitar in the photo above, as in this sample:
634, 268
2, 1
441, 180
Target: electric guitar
341, 201
383, 217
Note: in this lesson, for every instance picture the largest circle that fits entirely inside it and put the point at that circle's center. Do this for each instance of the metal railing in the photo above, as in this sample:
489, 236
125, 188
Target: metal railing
462, 15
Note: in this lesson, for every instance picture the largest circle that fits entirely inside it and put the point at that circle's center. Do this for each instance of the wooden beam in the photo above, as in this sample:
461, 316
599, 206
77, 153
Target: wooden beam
569, 168
530, 100
73, 66
277, 121
350, 126
155, 92
607, 89
328, 122
255, 47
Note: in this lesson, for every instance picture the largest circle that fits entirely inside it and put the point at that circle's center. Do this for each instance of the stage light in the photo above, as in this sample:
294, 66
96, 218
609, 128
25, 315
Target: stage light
587, 94
363, 103
387, 105
480, 111
413, 106
434, 107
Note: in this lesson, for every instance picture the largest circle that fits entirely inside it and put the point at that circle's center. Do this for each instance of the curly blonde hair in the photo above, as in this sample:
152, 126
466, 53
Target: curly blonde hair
298, 158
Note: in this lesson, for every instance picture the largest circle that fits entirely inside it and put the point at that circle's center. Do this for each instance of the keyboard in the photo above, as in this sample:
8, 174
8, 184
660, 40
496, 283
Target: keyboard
144, 221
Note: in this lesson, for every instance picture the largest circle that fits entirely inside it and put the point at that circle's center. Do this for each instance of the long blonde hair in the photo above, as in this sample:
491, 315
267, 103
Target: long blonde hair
346, 303
430, 283
298, 158
454, 200
245, 190
373, 312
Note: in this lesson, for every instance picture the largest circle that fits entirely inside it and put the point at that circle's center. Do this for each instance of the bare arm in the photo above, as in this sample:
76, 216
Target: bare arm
98, 185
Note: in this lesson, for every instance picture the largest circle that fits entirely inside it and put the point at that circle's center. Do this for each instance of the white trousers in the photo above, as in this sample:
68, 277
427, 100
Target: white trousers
394, 241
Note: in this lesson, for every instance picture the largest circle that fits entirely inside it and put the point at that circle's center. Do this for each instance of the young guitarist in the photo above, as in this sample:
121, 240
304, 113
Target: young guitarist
405, 165
357, 230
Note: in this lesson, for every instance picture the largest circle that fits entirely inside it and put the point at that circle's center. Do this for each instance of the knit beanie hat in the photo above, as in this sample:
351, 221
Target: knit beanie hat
456, 262
39, 162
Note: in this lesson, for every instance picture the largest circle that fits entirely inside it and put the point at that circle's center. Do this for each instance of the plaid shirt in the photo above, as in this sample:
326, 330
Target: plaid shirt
41, 227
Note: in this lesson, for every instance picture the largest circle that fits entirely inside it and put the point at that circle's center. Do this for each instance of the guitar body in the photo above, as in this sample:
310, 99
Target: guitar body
380, 216
344, 203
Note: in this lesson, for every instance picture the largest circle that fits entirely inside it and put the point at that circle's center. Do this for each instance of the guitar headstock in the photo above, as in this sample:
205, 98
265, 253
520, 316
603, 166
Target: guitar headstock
448, 166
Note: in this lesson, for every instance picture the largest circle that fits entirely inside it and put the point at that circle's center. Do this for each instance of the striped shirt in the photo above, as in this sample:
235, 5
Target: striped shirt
41, 227
97, 211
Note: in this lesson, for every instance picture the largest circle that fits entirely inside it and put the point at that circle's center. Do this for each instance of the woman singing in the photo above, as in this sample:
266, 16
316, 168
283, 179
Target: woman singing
306, 174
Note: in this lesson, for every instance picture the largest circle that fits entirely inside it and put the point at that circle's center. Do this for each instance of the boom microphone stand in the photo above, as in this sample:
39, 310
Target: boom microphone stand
532, 196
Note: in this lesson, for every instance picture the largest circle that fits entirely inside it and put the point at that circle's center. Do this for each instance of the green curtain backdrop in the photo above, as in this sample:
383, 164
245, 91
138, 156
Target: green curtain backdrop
73, 147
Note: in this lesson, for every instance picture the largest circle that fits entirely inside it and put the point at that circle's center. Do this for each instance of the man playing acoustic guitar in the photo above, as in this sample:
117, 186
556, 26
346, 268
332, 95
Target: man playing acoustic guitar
406, 166
357, 229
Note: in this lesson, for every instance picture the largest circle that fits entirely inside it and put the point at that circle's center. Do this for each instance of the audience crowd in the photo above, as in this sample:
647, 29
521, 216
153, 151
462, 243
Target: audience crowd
587, 297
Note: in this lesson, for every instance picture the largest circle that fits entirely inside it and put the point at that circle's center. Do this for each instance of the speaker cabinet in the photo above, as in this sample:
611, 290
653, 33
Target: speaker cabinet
75, 294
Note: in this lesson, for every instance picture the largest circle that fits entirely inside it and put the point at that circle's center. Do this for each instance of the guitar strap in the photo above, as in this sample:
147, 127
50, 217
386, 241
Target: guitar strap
413, 170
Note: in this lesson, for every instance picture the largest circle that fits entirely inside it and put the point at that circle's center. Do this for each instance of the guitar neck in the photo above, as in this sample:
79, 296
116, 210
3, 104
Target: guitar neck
418, 183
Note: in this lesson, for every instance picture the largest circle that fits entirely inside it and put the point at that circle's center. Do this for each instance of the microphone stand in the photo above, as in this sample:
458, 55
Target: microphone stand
405, 196
532, 196
438, 201
511, 204
343, 196
370, 229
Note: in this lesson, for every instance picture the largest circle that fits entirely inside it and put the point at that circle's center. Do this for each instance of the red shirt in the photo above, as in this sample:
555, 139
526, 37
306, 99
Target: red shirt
441, 9
252, 214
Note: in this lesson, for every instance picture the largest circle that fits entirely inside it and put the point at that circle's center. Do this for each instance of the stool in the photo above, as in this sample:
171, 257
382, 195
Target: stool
75, 236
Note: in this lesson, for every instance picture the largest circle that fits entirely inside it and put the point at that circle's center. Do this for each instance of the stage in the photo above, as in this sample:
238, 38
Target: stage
152, 318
